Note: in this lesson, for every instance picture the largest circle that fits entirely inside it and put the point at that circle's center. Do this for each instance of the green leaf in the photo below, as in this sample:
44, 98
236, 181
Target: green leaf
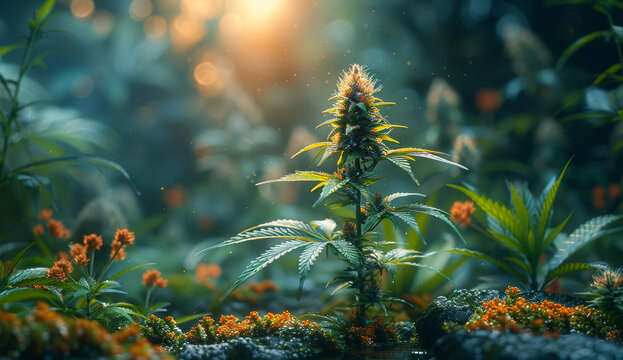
404, 164
117, 275
579, 44
188, 318
499, 212
14, 263
439, 214
312, 146
551, 235
548, 204
427, 267
278, 229
264, 260
565, 269
481, 256
7, 49
44, 10
16, 279
329, 188
522, 212
587, 232
307, 258
96, 160
348, 251
409, 220
398, 195
301, 176
18, 295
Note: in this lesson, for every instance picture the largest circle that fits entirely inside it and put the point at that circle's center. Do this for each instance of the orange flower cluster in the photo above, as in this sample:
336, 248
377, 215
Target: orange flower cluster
123, 237
377, 332
516, 314
61, 268
206, 273
55, 227
46, 333
208, 331
153, 278
462, 212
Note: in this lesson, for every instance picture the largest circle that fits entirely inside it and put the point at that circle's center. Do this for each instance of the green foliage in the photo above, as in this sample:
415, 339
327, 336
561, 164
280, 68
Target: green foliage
606, 293
526, 233
55, 136
358, 134
602, 106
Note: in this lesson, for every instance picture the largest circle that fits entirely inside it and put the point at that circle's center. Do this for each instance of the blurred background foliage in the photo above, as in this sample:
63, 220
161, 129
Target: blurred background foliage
200, 99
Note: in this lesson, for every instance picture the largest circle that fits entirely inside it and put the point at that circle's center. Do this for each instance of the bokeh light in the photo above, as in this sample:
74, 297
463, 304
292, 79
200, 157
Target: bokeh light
155, 27
141, 9
82, 9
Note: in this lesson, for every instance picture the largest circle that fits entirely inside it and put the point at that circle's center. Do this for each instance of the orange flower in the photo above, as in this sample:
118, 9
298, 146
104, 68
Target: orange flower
61, 255
77, 250
160, 283
204, 272
60, 269
461, 212
57, 229
38, 230
175, 196
124, 237
150, 277
45, 214
92, 242
82, 259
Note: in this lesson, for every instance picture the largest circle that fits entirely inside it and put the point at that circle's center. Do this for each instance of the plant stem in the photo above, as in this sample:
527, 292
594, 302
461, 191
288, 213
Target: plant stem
92, 261
361, 276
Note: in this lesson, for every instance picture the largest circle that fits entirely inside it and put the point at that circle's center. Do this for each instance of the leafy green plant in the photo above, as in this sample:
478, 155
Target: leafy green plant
602, 106
17, 169
358, 136
606, 293
526, 233
88, 296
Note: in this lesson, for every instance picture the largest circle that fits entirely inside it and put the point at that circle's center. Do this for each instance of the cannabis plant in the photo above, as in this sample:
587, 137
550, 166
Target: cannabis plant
357, 137
525, 231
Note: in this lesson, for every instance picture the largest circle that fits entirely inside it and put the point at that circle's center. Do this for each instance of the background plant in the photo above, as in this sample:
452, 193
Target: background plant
357, 136
527, 234
606, 294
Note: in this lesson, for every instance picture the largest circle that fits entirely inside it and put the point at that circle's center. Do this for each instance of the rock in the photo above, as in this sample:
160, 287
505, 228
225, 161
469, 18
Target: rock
267, 348
460, 306
484, 344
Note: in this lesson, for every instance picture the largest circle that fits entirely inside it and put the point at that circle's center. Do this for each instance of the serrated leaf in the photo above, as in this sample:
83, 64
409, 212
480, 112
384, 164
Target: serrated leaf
264, 260
307, 258
566, 269
584, 234
312, 146
329, 188
439, 214
301, 176
278, 229
18, 295
404, 164
348, 251
409, 220
394, 196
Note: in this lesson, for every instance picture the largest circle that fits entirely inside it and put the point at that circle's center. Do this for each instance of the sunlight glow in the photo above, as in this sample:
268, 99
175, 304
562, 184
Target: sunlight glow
141, 9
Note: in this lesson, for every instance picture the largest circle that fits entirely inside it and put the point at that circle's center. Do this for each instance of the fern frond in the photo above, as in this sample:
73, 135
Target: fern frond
307, 258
